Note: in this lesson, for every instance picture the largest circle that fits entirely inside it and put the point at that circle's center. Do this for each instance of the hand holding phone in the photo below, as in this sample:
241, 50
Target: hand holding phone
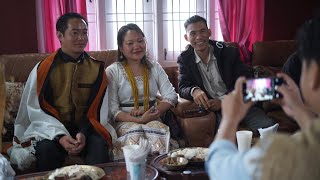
261, 89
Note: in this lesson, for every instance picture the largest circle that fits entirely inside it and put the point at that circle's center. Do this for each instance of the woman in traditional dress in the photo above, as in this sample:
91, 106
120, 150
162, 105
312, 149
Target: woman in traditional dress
134, 84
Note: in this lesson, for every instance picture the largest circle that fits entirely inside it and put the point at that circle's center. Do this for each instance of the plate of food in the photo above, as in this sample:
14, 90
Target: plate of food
77, 172
195, 155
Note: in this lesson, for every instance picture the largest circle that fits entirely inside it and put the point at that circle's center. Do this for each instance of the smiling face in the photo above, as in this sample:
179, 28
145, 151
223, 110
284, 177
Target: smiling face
75, 38
197, 34
133, 46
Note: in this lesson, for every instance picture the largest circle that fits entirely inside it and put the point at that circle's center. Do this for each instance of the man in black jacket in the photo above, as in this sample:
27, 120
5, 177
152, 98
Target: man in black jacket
208, 71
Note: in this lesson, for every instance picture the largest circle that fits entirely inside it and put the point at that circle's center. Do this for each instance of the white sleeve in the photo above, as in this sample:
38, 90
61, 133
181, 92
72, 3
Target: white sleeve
225, 162
113, 87
31, 120
166, 89
104, 118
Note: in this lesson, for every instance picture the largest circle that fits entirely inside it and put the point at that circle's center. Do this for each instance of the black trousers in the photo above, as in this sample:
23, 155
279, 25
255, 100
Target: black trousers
51, 155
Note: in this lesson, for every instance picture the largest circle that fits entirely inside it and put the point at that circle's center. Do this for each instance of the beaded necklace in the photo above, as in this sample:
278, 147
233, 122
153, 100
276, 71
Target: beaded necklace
135, 89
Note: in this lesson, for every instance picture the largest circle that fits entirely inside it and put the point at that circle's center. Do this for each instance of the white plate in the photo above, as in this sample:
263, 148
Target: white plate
193, 154
94, 172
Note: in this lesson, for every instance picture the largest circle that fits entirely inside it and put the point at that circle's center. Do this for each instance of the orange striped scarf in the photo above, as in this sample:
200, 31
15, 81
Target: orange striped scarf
42, 74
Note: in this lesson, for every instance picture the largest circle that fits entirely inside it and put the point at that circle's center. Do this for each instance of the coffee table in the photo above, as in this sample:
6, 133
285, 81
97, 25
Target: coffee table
114, 171
190, 172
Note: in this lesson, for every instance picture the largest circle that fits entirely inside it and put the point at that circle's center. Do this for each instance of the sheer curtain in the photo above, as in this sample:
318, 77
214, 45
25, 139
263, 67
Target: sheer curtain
214, 21
48, 12
242, 21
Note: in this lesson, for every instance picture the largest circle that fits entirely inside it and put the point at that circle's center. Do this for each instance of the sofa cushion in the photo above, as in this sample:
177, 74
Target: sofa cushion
272, 53
20, 73
198, 131
13, 96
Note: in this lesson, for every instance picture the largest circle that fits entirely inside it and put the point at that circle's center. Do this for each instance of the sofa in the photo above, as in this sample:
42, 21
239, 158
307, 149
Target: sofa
2, 101
18, 67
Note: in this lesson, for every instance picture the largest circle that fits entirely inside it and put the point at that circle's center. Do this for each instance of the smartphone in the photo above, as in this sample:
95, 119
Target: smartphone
261, 89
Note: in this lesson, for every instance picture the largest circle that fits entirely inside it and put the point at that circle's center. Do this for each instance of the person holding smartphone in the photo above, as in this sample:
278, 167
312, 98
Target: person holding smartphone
209, 69
278, 156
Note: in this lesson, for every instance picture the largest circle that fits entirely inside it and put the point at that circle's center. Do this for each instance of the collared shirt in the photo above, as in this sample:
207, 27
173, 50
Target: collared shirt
210, 75
66, 57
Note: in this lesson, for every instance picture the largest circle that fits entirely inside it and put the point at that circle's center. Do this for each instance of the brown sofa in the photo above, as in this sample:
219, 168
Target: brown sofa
2, 101
18, 67
197, 125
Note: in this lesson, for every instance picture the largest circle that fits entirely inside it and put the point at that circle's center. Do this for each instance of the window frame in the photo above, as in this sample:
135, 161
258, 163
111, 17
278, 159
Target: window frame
158, 24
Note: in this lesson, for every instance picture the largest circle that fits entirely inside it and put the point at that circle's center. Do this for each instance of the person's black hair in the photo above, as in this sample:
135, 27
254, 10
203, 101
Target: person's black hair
120, 37
195, 19
62, 23
309, 41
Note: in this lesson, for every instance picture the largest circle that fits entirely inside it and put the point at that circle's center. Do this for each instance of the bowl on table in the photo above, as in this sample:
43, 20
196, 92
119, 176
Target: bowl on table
175, 163
195, 155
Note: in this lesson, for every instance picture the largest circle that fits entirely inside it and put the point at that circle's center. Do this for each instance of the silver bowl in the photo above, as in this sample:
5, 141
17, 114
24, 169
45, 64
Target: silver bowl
175, 163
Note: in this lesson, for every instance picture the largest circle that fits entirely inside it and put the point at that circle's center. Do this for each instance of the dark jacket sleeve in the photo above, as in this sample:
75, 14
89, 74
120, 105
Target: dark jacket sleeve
231, 67
185, 79
241, 69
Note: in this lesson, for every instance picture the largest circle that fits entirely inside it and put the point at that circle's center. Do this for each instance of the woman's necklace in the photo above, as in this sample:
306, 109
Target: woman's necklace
135, 88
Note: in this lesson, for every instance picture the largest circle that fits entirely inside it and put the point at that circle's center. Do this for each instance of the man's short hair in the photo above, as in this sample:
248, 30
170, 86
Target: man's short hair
309, 40
62, 23
195, 19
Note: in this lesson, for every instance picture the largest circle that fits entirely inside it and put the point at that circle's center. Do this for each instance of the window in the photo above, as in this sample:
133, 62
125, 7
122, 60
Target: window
161, 21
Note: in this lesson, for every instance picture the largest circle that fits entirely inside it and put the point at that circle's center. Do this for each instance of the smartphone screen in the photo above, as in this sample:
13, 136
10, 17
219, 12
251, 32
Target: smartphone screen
261, 89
